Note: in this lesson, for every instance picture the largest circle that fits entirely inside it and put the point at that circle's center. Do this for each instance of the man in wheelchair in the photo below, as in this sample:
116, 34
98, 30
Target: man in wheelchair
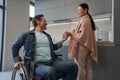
39, 48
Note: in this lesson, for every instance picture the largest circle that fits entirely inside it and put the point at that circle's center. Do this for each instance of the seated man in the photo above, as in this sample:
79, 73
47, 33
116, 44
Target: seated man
39, 46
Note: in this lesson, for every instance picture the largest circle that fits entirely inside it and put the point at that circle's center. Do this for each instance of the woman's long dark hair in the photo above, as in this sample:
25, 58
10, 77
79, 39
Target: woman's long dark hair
85, 6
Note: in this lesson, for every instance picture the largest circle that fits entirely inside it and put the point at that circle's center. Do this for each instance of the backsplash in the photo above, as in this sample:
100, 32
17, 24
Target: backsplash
103, 30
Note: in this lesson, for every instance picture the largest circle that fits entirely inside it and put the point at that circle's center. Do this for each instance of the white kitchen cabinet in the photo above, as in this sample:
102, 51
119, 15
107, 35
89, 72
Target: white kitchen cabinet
62, 9
116, 22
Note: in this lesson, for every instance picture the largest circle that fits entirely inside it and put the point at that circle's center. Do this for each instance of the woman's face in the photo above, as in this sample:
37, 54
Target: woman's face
81, 11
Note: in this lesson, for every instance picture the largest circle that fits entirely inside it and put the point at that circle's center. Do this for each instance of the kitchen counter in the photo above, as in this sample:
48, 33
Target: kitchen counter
105, 43
99, 43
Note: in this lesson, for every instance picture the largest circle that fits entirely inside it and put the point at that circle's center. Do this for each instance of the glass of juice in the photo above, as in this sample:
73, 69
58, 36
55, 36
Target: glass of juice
72, 29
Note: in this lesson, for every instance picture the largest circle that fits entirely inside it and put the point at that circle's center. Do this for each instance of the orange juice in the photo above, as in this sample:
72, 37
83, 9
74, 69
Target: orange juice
73, 31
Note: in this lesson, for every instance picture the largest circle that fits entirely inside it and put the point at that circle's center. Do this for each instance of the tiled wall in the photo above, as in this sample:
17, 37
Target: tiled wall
103, 30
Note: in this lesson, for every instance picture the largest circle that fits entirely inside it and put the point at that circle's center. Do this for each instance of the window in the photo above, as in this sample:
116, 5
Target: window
1, 2
31, 14
2, 13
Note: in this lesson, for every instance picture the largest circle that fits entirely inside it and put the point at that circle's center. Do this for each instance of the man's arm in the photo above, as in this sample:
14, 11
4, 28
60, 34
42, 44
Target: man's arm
16, 47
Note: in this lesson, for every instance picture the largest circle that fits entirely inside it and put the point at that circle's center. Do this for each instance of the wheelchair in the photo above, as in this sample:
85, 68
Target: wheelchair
20, 74
26, 72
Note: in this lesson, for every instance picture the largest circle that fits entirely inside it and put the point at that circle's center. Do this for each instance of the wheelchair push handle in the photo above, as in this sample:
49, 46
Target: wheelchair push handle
28, 58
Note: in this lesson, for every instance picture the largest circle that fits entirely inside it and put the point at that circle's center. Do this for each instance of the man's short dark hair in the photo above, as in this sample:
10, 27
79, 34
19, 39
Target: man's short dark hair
37, 18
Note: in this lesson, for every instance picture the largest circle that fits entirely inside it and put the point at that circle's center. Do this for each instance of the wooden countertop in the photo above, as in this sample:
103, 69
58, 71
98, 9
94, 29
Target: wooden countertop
99, 43
105, 43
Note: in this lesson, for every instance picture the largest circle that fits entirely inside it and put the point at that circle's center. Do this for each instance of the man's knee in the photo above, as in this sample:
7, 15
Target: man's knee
73, 65
50, 71
45, 70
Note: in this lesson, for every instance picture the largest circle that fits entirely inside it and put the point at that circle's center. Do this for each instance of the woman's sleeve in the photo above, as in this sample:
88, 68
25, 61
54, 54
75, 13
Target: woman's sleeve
82, 32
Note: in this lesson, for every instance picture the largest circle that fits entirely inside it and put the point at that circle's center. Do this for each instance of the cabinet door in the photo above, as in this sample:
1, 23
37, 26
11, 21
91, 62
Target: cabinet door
117, 65
116, 22
65, 52
105, 69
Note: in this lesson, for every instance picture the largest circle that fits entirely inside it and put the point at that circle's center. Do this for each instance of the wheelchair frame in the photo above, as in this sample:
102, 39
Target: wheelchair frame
26, 73
23, 74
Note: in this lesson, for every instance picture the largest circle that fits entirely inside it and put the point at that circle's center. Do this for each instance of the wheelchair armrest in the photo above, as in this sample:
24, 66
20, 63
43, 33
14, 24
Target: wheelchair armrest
29, 63
58, 53
28, 58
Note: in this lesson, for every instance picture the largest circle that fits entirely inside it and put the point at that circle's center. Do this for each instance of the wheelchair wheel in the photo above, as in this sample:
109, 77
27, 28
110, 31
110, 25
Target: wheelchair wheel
20, 74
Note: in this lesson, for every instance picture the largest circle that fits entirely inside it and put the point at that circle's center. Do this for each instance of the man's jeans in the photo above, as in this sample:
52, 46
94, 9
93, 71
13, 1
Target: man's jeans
48, 71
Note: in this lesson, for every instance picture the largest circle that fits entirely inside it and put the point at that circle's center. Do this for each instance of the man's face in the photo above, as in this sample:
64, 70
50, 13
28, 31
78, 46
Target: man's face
43, 24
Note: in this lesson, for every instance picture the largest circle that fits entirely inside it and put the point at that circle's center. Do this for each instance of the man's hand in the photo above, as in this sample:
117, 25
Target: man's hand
65, 36
18, 65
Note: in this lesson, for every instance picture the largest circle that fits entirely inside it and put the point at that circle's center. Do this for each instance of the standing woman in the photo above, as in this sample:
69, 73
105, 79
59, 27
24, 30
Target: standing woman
82, 46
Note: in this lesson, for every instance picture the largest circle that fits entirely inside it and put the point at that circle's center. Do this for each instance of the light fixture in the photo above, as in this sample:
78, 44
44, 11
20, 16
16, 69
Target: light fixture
102, 19
55, 24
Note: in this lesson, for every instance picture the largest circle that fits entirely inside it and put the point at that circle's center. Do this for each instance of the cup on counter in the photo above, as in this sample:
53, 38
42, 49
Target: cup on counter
110, 36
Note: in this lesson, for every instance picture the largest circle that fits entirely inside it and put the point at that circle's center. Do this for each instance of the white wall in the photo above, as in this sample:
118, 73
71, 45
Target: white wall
17, 21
